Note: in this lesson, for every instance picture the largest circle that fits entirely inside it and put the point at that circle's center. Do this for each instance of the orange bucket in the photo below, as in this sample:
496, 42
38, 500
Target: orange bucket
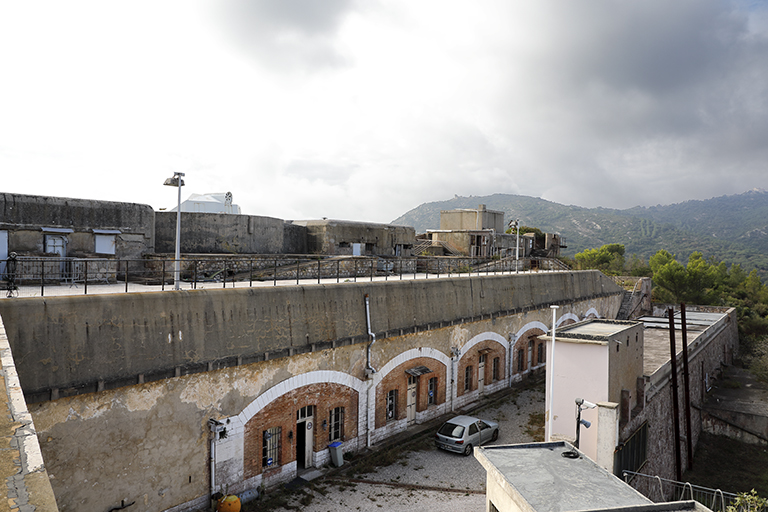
229, 503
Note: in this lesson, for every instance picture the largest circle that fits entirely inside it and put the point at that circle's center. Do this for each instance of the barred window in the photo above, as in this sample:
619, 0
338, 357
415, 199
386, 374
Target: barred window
541, 353
336, 425
432, 389
270, 454
520, 362
495, 368
468, 378
392, 405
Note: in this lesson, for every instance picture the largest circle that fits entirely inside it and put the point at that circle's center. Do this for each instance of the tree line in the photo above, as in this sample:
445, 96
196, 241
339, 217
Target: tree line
699, 281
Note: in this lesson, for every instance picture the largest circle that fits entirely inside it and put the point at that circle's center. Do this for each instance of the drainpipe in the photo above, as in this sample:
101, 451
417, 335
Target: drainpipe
455, 356
215, 427
369, 370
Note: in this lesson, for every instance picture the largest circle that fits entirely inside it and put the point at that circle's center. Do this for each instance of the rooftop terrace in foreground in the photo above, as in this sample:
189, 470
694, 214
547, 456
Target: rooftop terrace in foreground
546, 477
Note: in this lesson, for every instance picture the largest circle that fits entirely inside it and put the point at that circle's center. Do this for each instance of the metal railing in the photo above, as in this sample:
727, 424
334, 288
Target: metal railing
42, 276
663, 490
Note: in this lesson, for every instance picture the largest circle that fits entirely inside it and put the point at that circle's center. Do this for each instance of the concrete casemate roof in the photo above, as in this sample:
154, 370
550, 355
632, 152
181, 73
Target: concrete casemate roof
551, 482
656, 346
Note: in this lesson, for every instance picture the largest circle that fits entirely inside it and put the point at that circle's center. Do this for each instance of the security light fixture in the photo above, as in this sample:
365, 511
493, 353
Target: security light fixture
582, 404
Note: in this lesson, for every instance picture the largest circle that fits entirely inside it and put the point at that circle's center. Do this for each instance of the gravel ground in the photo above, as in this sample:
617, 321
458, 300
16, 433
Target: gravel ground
457, 483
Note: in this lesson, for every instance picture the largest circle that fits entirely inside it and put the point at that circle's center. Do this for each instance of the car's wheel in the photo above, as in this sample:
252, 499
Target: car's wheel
468, 450
495, 435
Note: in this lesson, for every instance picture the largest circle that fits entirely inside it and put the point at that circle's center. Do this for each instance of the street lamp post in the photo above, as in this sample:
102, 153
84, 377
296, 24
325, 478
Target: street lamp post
551, 370
515, 224
177, 182
517, 247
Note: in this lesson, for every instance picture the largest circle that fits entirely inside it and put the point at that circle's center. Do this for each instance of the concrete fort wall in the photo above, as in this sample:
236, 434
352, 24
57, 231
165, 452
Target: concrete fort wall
219, 233
65, 346
151, 444
24, 216
706, 353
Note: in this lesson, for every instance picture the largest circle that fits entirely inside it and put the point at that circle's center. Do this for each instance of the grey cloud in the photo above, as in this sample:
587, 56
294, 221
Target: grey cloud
671, 97
287, 35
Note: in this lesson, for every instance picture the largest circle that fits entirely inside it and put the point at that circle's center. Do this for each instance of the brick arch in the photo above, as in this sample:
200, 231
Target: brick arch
566, 317
387, 378
275, 392
281, 413
406, 356
522, 339
592, 311
494, 346
485, 336
531, 325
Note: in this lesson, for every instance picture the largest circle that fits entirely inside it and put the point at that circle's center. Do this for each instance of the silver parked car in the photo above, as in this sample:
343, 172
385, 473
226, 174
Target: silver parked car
461, 433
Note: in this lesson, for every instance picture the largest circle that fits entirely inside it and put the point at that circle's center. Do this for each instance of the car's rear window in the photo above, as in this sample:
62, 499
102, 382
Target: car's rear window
451, 430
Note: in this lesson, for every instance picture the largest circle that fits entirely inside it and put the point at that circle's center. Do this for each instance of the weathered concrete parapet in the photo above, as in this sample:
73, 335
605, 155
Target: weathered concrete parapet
219, 233
24, 216
65, 346
21, 463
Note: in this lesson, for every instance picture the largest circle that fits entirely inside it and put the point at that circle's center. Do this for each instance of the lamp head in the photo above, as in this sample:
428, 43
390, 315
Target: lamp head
175, 181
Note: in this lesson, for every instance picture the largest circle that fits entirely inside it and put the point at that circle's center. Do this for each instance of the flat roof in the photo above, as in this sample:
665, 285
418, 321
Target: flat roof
551, 482
656, 345
594, 330
604, 328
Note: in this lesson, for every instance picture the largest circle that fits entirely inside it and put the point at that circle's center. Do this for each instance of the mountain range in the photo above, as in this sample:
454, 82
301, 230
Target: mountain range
733, 228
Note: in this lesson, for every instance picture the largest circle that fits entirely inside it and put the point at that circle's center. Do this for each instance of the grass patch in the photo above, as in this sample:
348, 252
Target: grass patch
727, 464
730, 384
381, 458
535, 427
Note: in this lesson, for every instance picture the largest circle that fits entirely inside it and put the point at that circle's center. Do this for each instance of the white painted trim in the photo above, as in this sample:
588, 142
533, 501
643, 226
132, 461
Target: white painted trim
305, 379
592, 311
406, 356
567, 316
488, 335
531, 325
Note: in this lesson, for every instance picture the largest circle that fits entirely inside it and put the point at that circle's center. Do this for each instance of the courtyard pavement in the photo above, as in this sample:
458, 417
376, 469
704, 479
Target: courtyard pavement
424, 478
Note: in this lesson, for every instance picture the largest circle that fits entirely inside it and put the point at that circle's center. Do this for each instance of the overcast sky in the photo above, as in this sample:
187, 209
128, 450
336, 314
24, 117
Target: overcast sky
363, 110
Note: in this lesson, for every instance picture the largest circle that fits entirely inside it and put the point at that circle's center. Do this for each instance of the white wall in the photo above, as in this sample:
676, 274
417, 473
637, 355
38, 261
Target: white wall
580, 371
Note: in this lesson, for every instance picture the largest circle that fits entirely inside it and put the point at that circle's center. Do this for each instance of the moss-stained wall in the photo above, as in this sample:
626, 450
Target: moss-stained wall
70, 345
151, 442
